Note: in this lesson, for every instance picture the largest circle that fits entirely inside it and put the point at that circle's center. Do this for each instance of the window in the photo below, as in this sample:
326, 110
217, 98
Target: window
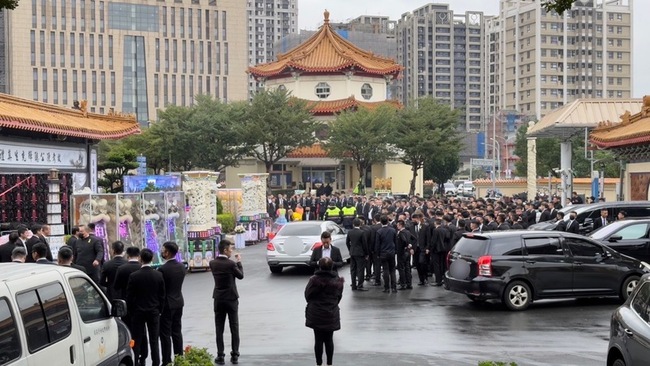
640, 302
582, 248
10, 346
91, 305
543, 246
322, 90
45, 314
366, 91
636, 231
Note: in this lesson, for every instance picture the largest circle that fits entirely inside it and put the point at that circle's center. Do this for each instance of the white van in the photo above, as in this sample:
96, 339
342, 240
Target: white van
53, 315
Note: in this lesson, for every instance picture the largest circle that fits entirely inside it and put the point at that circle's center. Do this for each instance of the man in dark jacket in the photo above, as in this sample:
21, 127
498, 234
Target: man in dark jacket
420, 230
357, 243
385, 248
64, 258
404, 250
89, 252
170, 321
561, 225
573, 226
37, 230
226, 298
145, 294
109, 269
436, 248
326, 250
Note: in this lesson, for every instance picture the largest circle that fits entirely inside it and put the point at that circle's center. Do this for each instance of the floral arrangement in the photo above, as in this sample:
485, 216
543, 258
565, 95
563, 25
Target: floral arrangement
194, 357
239, 229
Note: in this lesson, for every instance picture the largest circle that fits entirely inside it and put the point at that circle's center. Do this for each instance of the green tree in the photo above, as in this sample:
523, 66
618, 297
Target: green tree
558, 5
273, 125
363, 137
151, 146
441, 167
177, 135
117, 163
426, 128
8, 4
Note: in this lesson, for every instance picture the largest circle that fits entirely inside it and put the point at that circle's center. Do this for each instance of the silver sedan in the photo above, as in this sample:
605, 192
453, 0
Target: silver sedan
295, 241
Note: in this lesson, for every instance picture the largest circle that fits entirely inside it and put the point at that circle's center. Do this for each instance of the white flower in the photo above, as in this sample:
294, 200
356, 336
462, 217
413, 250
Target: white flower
239, 229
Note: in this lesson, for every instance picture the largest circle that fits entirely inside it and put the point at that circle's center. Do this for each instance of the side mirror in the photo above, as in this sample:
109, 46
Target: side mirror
118, 308
615, 238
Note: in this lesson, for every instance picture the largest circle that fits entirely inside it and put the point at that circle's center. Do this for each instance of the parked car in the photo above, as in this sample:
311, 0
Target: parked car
629, 237
294, 242
588, 213
629, 331
450, 189
466, 188
55, 315
518, 267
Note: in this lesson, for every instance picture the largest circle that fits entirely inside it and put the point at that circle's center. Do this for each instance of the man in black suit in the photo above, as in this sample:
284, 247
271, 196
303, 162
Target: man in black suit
18, 255
357, 243
88, 251
404, 250
573, 226
39, 254
603, 220
326, 250
420, 231
145, 294
170, 321
109, 269
546, 213
37, 230
561, 224
308, 215
226, 298
437, 250
271, 208
119, 287
385, 248
64, 258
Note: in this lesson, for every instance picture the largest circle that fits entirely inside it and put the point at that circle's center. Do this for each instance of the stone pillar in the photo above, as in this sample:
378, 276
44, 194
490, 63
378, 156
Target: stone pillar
200, 188
253, 195
57, 228
531, 172
565, 167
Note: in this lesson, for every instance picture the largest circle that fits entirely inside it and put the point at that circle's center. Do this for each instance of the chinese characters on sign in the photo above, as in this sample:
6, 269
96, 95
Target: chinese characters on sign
14, 154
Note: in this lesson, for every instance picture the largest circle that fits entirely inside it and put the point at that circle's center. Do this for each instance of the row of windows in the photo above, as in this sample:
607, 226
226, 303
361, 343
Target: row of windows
216, 86
53, 10
192, 56
79, 83
219, 23
93, 48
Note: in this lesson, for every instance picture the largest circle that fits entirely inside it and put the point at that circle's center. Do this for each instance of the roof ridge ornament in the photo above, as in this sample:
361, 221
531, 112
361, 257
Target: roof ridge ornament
326, 16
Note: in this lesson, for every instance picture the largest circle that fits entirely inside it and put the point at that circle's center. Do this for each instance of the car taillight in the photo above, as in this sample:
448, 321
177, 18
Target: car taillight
448, 259
271, 236
485, 266
270, 247
316, 246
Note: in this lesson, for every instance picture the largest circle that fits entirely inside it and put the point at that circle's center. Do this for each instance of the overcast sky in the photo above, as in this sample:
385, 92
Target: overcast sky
311, 17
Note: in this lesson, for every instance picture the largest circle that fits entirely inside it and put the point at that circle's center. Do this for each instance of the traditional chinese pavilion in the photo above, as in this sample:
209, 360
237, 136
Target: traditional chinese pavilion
333, 75
47, 152
629, 140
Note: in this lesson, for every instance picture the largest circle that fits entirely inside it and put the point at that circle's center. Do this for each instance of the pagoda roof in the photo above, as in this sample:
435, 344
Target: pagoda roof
27, 115
312, 151
327, 51
633, 129
339, 105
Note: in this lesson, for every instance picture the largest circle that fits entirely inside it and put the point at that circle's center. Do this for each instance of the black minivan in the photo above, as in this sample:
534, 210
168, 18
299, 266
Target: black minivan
518, 267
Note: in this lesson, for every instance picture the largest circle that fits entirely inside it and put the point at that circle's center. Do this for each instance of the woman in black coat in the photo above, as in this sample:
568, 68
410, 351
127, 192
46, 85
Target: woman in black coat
323, 294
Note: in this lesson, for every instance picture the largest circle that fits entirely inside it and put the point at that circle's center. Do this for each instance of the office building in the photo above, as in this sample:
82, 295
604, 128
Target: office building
132, 56
443, 56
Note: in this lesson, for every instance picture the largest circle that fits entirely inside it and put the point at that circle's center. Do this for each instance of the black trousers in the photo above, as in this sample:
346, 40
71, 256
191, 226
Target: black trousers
422, 266
388, 268
151, 320
439, 263
221, 310
323, 337
144, 350
171, 333
404, 269
357, 266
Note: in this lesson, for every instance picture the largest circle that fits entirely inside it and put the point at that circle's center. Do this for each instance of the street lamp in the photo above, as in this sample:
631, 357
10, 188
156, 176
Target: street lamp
496, 147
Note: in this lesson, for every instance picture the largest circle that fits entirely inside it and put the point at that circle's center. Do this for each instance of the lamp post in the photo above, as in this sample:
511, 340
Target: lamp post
497, 146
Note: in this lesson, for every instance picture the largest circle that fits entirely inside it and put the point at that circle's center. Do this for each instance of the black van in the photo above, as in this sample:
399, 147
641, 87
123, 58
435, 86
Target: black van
588, 213
520, 266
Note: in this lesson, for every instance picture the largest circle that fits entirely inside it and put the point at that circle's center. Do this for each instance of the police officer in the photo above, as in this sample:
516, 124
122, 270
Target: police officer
349, 212
333, 213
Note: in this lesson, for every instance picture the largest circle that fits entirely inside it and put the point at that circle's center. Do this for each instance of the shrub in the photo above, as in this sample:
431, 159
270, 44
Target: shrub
219, 206
194, 357
227, 222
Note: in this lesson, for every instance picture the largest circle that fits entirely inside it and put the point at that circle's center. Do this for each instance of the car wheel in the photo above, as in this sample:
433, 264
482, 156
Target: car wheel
517, 296
275, 269
618, 362
628, 286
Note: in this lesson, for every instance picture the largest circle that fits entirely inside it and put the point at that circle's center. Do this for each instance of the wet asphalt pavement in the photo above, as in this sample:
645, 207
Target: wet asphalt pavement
423, 326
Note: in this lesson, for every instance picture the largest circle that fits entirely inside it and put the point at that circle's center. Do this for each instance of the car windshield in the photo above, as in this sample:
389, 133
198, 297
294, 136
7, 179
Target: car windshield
449, 185
301, 230
604, 231
471, 246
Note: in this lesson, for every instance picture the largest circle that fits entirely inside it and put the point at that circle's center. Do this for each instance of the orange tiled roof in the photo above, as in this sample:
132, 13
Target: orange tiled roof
23, 114
313, 151
326, 51
540, 181
632, 130
339, 105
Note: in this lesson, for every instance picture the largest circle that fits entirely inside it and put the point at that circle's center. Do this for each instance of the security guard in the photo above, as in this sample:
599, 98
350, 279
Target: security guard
349, 212
333, 213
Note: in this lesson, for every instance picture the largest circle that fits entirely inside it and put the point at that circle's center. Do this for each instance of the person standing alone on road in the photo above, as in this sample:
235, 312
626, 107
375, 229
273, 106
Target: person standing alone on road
226, 298
323, 294
171, 328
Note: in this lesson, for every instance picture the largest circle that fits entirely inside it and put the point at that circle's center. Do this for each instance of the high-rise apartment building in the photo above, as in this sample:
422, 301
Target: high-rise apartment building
443, 56
132, 56
268, 22
538, 61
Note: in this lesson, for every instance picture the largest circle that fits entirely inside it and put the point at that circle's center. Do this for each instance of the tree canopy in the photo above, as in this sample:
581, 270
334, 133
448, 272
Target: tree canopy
558, 5
8, 4
116, 163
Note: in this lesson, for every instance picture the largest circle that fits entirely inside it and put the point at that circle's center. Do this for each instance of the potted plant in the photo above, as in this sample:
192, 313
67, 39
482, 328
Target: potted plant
240, 241
194, 357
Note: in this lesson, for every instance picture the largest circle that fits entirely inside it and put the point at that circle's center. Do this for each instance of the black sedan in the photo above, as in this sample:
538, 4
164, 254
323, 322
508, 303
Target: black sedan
629, 333
630, 237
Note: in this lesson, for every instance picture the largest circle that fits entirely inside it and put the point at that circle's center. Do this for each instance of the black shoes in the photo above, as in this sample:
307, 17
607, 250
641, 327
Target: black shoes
386, 290
234, 358
362, 289
394, 290
437, 284
422, 284
220, 360
376, 284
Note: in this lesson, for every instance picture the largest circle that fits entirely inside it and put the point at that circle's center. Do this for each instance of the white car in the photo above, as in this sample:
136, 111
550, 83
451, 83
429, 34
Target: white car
450, 190
295, 241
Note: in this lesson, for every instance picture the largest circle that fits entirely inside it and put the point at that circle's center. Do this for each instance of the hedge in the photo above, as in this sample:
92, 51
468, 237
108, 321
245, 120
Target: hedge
227, 222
